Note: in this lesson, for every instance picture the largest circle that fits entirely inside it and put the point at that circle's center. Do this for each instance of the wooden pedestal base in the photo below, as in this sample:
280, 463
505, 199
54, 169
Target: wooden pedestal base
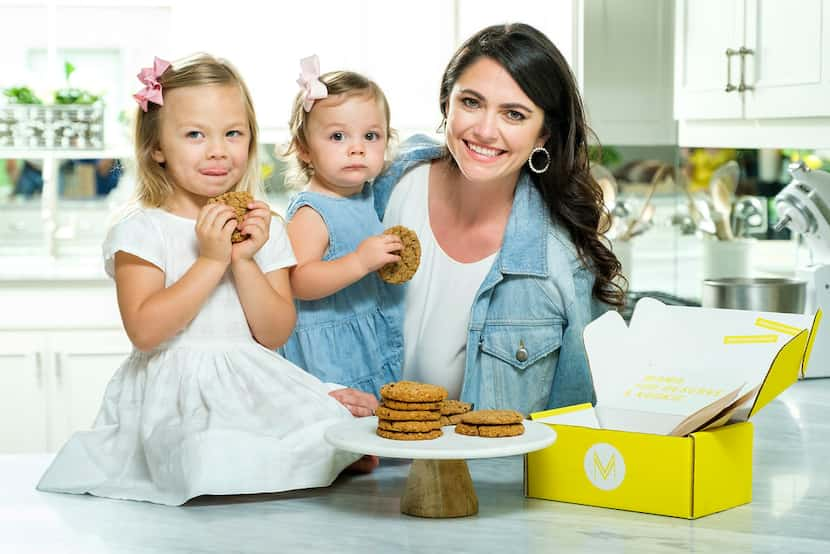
439, 488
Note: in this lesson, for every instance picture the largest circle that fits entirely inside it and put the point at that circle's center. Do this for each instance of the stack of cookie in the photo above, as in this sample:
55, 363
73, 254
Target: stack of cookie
491, 423
410, 411
452, 410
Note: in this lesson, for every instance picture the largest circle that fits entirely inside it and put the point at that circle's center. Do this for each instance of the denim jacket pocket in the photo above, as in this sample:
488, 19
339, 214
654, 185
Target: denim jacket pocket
521, 345
518, 363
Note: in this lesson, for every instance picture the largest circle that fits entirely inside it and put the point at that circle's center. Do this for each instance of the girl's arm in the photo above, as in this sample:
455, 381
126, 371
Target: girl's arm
267, 302
152, 313
313, 278
266, 298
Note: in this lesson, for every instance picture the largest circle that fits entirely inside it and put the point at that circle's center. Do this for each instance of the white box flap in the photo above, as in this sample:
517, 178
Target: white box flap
675, 360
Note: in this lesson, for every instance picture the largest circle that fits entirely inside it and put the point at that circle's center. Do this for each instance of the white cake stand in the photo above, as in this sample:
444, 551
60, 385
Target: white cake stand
439, 483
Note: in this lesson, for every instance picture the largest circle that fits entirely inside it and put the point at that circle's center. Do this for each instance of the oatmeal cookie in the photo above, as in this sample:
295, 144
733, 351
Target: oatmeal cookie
450, 419
238, 200
407, 406
492, 417
453, 407
394, 435
413, 415
408, 426
412, 391
490, 431
402, 271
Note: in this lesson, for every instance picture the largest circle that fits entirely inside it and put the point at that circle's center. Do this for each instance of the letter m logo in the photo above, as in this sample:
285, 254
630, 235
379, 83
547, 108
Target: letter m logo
604, 470
608, 474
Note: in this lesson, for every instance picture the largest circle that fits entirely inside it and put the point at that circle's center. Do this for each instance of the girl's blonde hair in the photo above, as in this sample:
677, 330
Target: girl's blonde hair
153, 187
346, 83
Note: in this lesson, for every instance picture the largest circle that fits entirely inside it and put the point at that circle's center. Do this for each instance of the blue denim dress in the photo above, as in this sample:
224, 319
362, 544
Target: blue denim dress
353, 337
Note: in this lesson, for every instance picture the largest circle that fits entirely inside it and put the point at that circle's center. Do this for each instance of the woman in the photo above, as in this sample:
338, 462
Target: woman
513, 265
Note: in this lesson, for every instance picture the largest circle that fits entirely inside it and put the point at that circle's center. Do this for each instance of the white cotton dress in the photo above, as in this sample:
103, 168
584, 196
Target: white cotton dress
210, 411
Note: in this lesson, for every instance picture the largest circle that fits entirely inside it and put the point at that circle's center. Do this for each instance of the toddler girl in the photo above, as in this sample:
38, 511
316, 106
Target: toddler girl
203, 405
348, 321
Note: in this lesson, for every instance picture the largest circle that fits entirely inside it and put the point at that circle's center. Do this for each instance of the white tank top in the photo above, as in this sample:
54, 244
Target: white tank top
439, 297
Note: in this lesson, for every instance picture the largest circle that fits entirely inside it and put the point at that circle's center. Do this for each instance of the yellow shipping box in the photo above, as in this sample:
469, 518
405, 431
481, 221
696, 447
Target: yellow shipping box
672, 370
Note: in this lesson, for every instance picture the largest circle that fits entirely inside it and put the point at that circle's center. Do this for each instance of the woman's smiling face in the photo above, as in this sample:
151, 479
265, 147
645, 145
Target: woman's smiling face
492, 125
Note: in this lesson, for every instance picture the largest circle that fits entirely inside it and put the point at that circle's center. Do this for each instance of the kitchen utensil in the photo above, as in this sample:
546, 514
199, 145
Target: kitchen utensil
640, 225
607, 184
642, 222
722, 202
730, 174
722, 229
748, 215
698, 209
722, 188
804, 207
757, 294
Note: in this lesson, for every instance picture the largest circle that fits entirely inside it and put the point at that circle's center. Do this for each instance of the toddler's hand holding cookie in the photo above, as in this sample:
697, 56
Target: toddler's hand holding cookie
402, 271
377, 251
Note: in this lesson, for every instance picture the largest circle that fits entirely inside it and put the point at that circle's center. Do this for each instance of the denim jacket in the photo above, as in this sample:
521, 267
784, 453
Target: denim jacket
524, 344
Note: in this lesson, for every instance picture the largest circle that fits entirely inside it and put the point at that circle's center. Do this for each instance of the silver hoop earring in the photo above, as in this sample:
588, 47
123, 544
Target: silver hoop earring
530, 159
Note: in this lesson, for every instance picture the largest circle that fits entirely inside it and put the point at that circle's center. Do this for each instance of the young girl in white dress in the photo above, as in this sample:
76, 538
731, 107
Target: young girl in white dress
203, 405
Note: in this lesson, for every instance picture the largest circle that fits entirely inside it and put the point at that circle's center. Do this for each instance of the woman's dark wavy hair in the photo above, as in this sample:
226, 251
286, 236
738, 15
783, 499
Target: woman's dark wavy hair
571, 194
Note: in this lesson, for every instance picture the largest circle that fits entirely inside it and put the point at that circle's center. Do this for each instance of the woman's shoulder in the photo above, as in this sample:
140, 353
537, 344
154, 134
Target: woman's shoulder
419, 148
414, 151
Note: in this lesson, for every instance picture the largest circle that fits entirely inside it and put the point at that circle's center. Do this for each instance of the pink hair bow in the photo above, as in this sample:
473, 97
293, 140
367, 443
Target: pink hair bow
309, 81
152, 88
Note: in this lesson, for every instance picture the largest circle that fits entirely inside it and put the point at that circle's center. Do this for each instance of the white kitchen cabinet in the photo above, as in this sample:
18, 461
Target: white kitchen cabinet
619, 51
52, 383
704, 31
82, 364
24, 417
627, 77
784, 70
790, 71
752, 73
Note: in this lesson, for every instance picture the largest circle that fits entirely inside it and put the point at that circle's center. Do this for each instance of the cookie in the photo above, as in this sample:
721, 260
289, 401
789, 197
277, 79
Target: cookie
413, 415
450, 419
406, 406
408, 426
452, 407
238, 200
403, 270
394, 435
490, 431
497, 431
412, 391
464, 429
492, 417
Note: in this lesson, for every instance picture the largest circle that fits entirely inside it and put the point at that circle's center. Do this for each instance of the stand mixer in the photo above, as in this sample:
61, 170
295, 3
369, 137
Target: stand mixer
804, 207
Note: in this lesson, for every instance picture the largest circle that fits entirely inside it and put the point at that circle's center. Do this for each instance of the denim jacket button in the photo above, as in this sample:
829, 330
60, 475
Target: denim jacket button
521, 353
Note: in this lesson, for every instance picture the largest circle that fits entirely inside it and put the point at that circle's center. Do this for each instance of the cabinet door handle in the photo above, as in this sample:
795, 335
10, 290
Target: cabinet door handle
58, 370
729, 86
39, 370
743, 52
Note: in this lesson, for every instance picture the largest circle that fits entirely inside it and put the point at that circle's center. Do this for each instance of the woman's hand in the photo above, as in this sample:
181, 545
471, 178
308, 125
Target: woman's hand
377, 251
214, 227
257, 225
359, 403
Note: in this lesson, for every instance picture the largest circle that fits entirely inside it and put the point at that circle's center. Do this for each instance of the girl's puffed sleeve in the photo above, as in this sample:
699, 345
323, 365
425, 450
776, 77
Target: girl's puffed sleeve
136, 235
276, 253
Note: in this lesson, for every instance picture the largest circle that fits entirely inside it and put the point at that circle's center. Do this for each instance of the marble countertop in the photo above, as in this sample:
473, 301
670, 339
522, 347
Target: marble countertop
360, 513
